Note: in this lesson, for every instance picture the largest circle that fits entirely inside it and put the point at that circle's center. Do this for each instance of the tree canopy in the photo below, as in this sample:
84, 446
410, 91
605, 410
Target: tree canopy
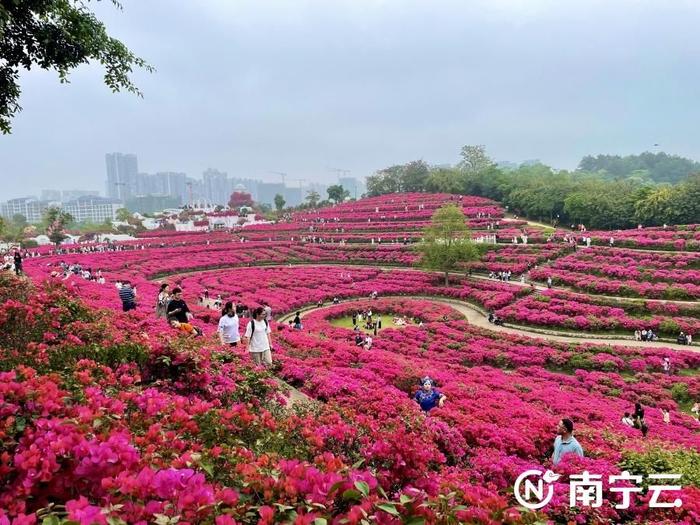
313, 198
337, 193
657, 167
542, 193
57, 35
279, 202
239, 199
55, 221
447, 242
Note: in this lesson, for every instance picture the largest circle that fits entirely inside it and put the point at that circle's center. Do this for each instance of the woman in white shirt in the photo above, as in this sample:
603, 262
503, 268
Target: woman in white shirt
259, 338
228, 326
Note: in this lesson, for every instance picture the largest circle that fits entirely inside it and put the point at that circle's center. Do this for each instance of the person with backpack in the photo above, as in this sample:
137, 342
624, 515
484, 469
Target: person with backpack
258, 336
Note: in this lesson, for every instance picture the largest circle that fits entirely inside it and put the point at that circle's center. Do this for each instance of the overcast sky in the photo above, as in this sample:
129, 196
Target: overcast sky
250, 87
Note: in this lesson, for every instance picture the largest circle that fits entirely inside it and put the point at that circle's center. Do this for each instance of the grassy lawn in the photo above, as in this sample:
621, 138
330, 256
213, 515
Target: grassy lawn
387, 322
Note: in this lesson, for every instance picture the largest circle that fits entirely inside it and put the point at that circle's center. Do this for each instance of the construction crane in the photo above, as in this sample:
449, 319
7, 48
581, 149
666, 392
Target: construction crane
281, 174
340, 172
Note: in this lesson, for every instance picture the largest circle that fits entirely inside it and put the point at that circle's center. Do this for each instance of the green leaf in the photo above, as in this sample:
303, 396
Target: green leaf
405, 499
320, 521
362, 487
388, 507
50, 520
415, 520
351, 494
208, 468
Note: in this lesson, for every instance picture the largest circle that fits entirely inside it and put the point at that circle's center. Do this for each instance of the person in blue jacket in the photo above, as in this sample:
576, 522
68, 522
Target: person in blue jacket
429, 397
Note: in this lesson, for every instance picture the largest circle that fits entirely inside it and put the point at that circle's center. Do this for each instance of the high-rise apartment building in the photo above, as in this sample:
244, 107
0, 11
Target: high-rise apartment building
122, 175
217, 186
28, 207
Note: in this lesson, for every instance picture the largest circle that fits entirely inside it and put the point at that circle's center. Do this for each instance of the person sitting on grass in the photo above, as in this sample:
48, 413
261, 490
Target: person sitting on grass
428, 397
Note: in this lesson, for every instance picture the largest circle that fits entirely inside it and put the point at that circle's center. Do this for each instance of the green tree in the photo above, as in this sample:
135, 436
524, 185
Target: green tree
686, 208
279, 202
337, 193
57, 35
55, 221
474, 159
387, 180
445, 180
312, 197
3, 227
123, 215
446, 242
19, 220
655, 207
414, 176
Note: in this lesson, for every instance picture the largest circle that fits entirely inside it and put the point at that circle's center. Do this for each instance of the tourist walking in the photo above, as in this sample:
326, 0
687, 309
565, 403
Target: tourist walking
268, 312
565, 442
162, 301
667, 366
128, 296
297, 321
429, 397
228, 328
18, 263
258, 336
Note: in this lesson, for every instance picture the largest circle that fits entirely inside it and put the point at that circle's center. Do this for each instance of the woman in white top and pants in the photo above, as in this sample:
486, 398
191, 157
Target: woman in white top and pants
259, 338
228, 326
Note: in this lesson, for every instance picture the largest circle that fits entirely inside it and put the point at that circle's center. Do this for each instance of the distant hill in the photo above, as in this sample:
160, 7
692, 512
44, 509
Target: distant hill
658, 167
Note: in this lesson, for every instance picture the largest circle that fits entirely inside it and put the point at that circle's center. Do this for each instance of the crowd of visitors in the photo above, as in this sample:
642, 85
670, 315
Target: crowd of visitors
645, 335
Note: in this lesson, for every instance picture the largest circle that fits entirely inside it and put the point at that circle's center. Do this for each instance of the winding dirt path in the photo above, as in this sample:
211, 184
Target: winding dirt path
477, 318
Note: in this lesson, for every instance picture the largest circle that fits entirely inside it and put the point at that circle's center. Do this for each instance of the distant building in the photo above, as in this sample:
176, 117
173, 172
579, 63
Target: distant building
71, 195
217, 186
293, 196
122, 175
93, 209
29, 207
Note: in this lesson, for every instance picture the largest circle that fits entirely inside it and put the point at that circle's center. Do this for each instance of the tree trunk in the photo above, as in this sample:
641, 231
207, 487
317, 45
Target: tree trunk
447, 278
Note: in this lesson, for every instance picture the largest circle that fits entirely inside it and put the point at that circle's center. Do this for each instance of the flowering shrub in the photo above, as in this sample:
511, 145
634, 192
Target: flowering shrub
579, 312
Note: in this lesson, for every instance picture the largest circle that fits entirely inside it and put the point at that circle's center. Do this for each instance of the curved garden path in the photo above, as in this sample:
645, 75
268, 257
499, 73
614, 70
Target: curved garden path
476, 317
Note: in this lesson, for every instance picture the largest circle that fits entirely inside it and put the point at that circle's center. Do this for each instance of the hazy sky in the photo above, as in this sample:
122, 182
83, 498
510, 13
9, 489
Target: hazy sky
250, 87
